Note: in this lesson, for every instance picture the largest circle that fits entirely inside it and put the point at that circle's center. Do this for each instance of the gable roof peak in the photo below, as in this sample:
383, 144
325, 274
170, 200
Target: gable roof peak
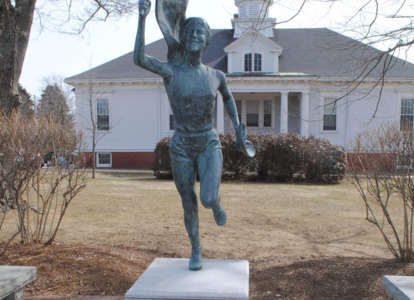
255, 39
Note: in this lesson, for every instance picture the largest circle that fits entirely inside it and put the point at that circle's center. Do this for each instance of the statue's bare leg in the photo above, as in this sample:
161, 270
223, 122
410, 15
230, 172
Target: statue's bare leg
184, 178
210, 166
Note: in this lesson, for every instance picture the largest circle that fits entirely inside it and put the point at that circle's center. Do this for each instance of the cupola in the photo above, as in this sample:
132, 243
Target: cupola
253, 16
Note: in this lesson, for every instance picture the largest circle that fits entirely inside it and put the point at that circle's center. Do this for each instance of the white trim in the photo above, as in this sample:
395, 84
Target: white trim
112, 81
272, 46
366, 80
304, 114
284, 109
113, 150
220, 113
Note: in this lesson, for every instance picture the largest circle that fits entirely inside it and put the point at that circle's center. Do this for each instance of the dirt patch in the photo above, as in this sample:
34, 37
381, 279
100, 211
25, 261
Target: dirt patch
70, 271
79, 270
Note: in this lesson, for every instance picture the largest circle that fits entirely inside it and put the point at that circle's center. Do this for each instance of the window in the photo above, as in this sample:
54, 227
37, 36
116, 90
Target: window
404, 161
329, 114
104, 160
102, 114
248, 62
267, 113
257, 62
252, 116
239, 109
172, 120
407, 114
250, 65
256, 113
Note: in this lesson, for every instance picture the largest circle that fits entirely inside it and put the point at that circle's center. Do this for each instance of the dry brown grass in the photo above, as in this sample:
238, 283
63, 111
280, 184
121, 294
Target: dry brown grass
265, 220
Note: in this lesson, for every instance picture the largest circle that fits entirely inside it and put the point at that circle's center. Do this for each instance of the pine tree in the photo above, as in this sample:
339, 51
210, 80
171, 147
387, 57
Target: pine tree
54, 104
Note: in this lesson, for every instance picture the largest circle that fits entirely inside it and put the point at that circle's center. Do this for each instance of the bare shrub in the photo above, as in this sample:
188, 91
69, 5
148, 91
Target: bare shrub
40, 196
383, 175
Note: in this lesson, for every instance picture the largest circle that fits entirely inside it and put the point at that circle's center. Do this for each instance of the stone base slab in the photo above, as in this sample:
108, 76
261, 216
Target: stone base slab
399, 287
170, 278
13, 279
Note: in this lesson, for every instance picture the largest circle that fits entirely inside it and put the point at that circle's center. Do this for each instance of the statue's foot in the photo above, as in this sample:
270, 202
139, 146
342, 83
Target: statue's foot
195, 260
219, 215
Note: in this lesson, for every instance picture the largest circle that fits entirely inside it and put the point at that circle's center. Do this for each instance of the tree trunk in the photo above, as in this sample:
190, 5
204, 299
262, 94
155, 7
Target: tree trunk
15, 25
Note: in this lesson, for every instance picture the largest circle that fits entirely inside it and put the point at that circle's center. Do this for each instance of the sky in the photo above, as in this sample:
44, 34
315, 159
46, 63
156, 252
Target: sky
52, 53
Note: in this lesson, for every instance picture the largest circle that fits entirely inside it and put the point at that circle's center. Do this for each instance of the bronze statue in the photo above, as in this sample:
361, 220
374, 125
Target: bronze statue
192, 88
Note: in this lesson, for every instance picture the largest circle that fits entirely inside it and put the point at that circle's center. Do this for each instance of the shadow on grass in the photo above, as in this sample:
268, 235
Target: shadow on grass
131, 176
331, 278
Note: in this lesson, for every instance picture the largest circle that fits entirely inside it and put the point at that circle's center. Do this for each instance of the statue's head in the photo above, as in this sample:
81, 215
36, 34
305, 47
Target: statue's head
195, 34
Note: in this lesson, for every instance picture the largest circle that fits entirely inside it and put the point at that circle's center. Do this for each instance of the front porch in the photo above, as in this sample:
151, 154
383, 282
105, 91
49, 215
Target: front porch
268, 112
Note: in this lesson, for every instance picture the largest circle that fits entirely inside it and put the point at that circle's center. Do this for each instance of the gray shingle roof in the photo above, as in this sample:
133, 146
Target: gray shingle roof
316, 51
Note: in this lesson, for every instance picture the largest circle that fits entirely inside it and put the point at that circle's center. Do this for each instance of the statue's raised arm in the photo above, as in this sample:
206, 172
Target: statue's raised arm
140, 58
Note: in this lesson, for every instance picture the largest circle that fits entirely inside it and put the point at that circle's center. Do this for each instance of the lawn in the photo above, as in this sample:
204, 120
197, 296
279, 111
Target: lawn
303, 241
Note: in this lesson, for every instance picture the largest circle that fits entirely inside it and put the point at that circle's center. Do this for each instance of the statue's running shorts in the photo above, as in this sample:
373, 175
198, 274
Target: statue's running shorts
191, 147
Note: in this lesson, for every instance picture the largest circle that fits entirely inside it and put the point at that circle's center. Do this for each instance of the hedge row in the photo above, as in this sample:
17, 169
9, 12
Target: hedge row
282, 157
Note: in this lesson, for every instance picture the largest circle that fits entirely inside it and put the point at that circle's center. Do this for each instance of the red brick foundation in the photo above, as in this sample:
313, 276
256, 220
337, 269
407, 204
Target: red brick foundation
133, 160
129, 160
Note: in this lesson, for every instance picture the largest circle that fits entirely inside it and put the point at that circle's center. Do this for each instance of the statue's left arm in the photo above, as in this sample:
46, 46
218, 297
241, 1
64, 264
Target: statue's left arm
231, 108
244, 145
228, 99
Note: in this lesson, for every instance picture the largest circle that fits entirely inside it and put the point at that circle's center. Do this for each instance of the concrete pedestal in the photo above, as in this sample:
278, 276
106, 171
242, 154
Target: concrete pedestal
170, 278
13, 280
399, 287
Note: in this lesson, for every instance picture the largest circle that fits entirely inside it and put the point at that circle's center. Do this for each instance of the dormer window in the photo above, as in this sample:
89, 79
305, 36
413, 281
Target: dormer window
257, 62
248, 62
251, 65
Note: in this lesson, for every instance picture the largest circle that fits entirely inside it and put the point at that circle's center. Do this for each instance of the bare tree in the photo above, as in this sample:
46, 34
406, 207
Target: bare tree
16, 18
95, 117
382, 168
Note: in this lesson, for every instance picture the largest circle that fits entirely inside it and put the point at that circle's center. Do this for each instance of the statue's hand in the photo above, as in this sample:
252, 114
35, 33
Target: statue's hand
144, 7
242, 144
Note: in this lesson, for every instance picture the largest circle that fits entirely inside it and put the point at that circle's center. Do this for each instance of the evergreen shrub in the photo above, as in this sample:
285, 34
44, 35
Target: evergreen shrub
278, 158
324, 162
162, 165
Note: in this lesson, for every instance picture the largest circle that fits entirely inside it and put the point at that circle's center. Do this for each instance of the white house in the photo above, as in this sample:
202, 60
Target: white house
283, 80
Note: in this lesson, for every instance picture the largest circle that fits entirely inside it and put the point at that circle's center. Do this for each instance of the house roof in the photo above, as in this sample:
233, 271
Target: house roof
315, 51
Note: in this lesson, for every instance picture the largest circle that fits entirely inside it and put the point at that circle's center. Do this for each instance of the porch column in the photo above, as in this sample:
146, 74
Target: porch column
284, 112
304, 114
220, 114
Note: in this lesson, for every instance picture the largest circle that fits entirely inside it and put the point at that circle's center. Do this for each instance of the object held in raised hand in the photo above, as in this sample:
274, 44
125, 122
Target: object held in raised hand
170, 17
